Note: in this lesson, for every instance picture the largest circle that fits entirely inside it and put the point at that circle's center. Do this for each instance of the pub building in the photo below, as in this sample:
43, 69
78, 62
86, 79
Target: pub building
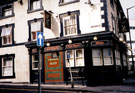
92, 61
86, 35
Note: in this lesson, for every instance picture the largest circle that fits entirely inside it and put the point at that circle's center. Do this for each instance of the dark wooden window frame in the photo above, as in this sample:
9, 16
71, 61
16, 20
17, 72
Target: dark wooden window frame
29, 7
7, 55
13, 42
29, 25
4, 6
77, 13
61, 2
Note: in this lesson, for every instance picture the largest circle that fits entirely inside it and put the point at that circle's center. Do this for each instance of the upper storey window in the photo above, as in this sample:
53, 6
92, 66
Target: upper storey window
70, 23
63, 2
6, 11
35, 26
34, 5
7, 36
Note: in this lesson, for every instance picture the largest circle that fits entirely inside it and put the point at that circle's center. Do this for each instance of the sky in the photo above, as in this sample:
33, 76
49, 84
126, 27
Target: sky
126, 4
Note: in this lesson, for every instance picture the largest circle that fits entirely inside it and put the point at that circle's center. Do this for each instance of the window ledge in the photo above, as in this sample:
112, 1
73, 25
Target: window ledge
6, 77
62, 4
4, 17
31, 11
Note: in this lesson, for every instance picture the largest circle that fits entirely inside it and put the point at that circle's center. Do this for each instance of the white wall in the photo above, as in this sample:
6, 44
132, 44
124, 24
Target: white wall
21, 63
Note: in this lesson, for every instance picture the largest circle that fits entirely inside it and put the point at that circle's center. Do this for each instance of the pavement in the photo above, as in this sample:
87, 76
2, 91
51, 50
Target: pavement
127, 87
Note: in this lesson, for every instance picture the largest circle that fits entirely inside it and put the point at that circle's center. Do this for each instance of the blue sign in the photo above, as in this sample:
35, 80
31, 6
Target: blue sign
40, 39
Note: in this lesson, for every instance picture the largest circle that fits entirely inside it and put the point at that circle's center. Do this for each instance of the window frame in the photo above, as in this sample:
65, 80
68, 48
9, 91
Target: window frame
61, 2
35, 61
73, 58
31, 10
12, 34
117, 57
77, 13
29, 25
13, 65
102, 57
5, 6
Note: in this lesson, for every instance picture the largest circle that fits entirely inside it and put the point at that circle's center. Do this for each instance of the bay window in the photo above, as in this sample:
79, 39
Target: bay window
102, 56
76, 58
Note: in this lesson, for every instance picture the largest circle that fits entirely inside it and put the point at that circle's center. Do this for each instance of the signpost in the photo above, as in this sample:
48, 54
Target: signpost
40, 43
72, 81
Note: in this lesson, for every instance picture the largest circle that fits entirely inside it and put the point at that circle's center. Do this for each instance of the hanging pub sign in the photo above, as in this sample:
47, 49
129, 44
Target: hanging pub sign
74, 46
101, 43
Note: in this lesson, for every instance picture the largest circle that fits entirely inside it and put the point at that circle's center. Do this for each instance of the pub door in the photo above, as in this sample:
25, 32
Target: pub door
53, 67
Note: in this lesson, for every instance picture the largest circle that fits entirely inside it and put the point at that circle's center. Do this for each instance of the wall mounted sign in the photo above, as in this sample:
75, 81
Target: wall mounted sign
52, 48
74, 46
101, 43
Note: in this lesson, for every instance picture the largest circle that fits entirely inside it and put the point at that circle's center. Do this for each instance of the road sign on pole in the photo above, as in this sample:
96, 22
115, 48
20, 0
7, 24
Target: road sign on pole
40, 43
40, 39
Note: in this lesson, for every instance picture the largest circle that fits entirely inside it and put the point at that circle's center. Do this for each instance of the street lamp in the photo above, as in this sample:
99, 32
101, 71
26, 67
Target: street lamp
130, 36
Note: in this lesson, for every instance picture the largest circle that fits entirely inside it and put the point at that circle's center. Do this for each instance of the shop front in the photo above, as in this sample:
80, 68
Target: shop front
91, 61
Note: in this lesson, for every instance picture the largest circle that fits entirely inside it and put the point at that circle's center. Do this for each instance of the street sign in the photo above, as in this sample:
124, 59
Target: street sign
40, 39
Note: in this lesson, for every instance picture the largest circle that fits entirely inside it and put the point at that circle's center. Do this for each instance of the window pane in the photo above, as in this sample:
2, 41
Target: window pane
35, 4
96, 53
34, 62
108, 61
79, 53
6, 31
107, 54
70, 27
7, 67
36, 26
97, 62
8, 12
7, 71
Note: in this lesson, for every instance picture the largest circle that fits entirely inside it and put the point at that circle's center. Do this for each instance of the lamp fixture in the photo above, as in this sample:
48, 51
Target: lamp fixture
70, 41
95, 38
89, 2
121, 39
48, 44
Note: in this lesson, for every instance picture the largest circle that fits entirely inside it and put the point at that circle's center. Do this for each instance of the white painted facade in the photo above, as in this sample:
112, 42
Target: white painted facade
89, 20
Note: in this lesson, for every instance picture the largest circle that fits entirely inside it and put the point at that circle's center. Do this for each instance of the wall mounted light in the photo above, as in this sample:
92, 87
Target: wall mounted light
95, 38
70, 41
48, 44
121, 39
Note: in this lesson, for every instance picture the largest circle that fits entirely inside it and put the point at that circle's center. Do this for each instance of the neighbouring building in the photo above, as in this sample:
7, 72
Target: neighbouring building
90, 32
132, 33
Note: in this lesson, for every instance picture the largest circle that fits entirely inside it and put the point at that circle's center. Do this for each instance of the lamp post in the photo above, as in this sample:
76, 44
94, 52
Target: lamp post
130, 36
